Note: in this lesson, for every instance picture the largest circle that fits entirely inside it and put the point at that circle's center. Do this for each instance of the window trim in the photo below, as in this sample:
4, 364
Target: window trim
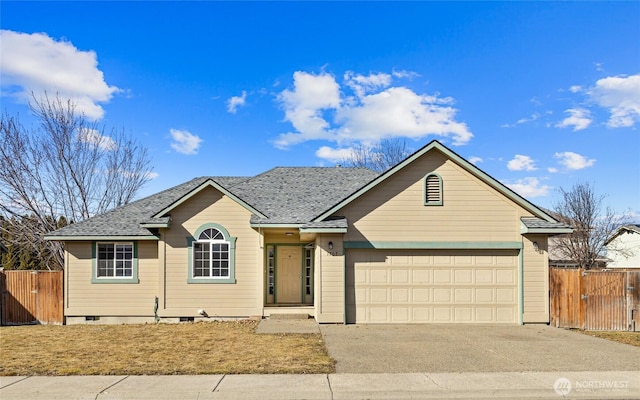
112, 279
440, 201
232, 255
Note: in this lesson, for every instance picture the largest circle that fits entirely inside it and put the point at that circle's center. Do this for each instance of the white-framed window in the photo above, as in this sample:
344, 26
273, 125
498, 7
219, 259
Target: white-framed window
115, 262
211, 255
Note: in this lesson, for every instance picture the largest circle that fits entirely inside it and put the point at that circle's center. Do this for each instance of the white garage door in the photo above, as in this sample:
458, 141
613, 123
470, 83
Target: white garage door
437, 286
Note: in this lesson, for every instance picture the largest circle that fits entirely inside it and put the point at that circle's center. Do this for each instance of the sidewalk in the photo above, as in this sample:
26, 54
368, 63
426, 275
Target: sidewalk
506, 385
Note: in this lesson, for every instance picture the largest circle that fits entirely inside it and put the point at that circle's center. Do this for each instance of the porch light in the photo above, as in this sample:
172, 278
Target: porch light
330, 245
535, 246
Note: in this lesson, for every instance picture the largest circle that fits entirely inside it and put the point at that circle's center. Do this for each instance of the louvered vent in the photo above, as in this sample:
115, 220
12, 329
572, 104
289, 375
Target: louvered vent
433, 194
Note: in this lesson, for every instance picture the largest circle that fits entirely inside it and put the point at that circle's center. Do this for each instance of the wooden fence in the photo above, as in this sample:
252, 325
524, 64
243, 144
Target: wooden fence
31, 297
595, 300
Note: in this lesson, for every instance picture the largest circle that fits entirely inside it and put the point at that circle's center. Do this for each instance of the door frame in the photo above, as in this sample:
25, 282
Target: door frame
307, 255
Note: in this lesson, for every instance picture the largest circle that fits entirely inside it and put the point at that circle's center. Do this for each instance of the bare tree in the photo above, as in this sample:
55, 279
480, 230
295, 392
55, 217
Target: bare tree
66, 167
379, 157
593, 223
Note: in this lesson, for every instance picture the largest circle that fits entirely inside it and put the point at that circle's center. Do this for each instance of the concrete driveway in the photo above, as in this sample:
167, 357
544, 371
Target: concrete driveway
472, 348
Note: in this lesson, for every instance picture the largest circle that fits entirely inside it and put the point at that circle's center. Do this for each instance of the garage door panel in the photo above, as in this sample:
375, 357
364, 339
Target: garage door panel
399, 276
442, 276
463, 276
419, 276
420, 295
420, 286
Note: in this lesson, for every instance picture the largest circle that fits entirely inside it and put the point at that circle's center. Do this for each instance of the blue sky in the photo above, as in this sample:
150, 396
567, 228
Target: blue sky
539, 95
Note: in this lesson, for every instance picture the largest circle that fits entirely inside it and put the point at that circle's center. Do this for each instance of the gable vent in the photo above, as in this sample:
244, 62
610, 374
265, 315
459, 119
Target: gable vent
433, 190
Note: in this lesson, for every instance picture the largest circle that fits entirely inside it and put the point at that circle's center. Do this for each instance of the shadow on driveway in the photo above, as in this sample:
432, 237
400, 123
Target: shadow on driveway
472, 348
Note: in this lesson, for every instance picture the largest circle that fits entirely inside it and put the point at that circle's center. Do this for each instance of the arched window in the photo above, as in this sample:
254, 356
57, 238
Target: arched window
212, 255
432, 190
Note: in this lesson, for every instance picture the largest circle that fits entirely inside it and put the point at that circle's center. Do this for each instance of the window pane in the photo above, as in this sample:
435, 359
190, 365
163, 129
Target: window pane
201, 260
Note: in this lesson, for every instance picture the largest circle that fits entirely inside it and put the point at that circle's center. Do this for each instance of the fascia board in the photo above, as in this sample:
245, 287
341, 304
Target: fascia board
86, 238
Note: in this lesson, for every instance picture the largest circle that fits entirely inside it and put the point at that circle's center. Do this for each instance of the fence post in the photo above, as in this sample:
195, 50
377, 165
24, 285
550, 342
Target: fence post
583, 297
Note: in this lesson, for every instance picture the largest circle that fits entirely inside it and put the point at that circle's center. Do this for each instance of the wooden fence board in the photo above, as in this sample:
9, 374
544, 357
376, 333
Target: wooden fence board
31, 297
594, 300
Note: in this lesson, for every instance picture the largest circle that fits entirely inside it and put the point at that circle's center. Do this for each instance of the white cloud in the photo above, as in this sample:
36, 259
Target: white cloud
334, 155
318, 109
529, 187
303, 107
621, 96
37, 63
364, 84
521, 121
573, 161
575, 88
236, 101
521, 163
475, 160
151, 175
579, 119
93, 136
405, 74
185, 142
552, 170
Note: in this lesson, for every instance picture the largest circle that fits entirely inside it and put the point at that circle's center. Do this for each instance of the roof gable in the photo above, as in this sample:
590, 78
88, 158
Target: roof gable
435, 145
631, 228
209, 182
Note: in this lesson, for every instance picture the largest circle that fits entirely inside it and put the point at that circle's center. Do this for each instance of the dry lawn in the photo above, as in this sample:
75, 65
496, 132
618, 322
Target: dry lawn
632, 338
162, 349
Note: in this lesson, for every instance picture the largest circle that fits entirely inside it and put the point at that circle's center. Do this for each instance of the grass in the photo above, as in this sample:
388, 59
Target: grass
632, 338
162, 349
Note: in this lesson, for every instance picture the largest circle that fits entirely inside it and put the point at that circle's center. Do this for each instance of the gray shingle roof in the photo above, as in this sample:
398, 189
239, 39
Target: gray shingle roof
284, 195
539, 223
296, 195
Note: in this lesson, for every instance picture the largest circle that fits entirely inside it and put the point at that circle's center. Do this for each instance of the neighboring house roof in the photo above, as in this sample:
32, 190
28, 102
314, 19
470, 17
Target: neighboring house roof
283, 195
304, 197
634, 228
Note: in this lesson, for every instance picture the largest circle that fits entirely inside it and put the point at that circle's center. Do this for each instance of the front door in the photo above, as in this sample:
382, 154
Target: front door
289, 275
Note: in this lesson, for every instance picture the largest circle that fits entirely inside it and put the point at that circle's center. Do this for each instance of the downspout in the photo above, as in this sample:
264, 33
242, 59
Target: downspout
344, 281
520, 285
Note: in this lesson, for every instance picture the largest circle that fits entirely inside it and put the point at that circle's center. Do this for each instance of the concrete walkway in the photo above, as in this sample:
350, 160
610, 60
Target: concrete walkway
282, 326
505, 385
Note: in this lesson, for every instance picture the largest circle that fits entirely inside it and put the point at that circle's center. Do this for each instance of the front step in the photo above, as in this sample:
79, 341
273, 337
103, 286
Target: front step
289, 316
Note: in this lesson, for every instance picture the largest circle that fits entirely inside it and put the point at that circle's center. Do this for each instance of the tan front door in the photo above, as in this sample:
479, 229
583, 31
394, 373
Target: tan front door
289, 275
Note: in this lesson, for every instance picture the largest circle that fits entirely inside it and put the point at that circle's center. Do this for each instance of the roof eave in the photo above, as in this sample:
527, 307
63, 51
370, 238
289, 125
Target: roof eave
262, 225
550, 231
323, 230
96, 237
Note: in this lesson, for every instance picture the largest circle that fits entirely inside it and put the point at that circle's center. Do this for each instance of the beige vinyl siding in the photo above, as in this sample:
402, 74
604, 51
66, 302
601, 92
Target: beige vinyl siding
395, 211
243, 298
329, 280
109, 299
535, 279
